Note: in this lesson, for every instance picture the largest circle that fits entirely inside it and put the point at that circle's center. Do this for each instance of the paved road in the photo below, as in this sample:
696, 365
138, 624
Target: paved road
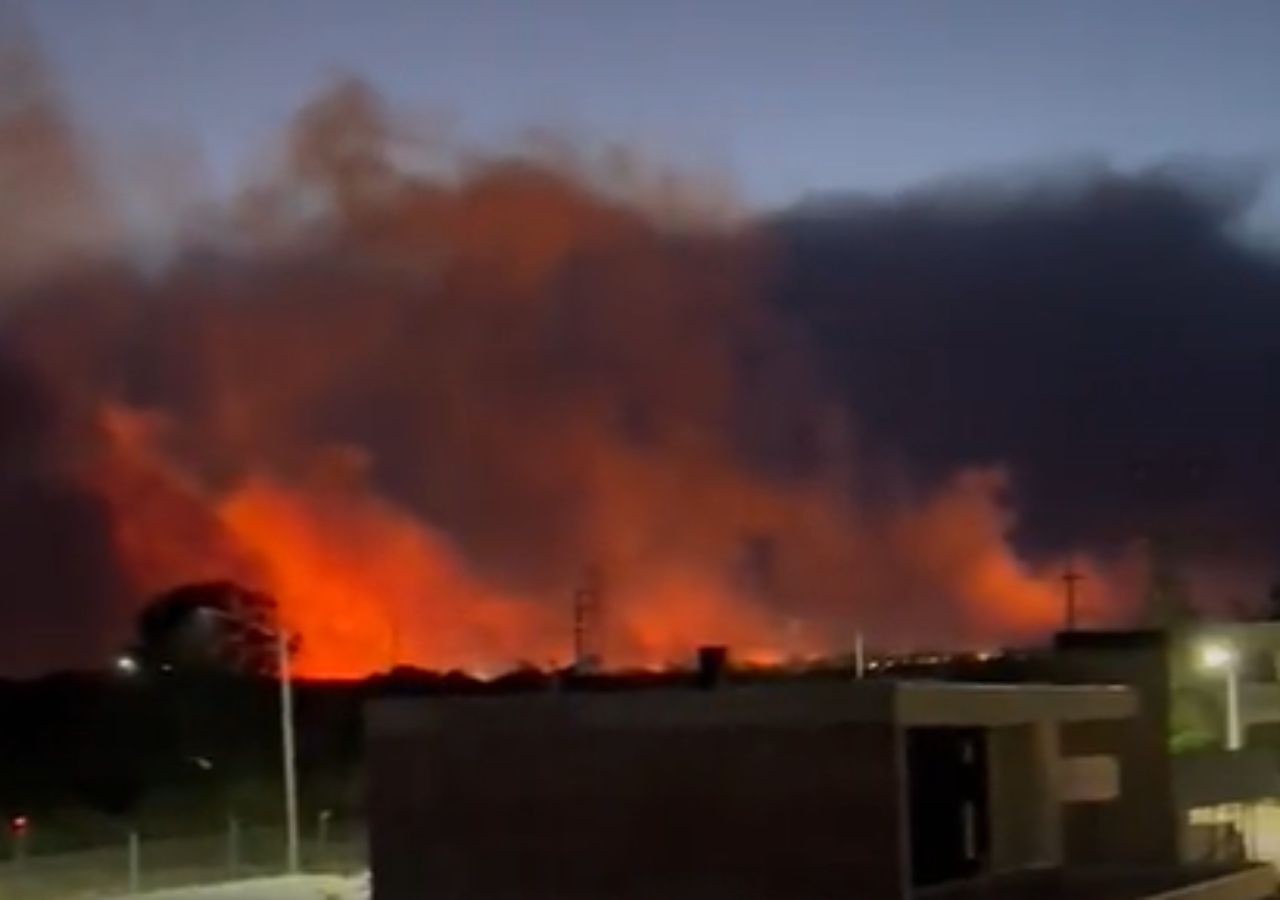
297, 887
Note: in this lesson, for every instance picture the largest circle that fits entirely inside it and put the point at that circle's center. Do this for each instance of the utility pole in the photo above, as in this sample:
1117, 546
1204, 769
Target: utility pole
588, 606
1071, 578
393, 640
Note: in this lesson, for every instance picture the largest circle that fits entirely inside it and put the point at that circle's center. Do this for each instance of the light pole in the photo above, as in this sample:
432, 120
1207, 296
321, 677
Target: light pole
289, 760
1222, 657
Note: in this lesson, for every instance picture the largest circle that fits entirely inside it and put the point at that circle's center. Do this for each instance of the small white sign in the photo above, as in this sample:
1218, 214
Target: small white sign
1088, 779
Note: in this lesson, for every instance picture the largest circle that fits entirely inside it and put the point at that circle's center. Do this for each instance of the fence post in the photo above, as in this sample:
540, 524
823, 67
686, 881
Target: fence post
18, 831
233, 844
322, 834
135, 862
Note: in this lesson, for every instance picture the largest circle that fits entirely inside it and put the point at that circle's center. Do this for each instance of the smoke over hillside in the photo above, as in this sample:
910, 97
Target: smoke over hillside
416, 395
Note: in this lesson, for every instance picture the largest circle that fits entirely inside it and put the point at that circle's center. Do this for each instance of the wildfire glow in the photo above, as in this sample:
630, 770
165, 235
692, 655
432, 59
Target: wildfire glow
414, 408
369, 587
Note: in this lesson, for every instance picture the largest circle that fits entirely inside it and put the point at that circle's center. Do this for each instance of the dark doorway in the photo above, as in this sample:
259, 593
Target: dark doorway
948, 809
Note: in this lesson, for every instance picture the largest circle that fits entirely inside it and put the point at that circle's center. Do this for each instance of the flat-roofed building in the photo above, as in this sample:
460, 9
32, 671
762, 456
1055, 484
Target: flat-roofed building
789, 789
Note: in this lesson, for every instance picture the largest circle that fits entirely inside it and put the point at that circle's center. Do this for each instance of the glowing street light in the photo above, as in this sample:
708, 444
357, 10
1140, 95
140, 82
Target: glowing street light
1218, 656
1222, 657
126, 664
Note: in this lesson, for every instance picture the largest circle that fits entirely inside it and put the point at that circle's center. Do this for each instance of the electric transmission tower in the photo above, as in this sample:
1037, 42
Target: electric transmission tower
588, 613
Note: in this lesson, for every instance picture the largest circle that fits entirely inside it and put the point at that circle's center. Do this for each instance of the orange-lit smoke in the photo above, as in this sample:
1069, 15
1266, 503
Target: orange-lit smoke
369, 586
415, 408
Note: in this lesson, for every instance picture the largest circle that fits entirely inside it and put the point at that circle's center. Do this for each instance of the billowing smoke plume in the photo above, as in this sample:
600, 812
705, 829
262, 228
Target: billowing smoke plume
1110, 340
416, 397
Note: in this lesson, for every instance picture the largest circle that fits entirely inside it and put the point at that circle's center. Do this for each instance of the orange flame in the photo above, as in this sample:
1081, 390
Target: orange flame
368, 587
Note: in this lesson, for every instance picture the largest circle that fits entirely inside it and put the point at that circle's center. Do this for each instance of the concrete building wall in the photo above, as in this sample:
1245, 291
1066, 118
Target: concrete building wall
536, 802
1025, 811
1140, 826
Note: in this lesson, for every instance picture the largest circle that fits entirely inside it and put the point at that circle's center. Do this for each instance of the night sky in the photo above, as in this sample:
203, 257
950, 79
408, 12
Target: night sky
792, 97
995, 235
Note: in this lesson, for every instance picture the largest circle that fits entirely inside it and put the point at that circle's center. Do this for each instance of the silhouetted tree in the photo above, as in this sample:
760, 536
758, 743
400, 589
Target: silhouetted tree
217, 625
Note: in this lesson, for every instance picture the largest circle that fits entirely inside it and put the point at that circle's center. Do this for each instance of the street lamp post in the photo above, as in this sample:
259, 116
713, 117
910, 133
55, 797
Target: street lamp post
1221, 657
289, 760
128, 665
287, 746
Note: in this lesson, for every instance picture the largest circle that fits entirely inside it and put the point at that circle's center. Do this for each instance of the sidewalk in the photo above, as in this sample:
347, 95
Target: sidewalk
285, 887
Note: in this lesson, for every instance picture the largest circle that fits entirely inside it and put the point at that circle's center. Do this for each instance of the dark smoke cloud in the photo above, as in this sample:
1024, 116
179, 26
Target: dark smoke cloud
60, 580
1104, 335
59, 576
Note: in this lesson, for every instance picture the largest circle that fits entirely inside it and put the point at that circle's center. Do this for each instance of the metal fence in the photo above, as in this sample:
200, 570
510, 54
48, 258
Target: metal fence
140, 862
